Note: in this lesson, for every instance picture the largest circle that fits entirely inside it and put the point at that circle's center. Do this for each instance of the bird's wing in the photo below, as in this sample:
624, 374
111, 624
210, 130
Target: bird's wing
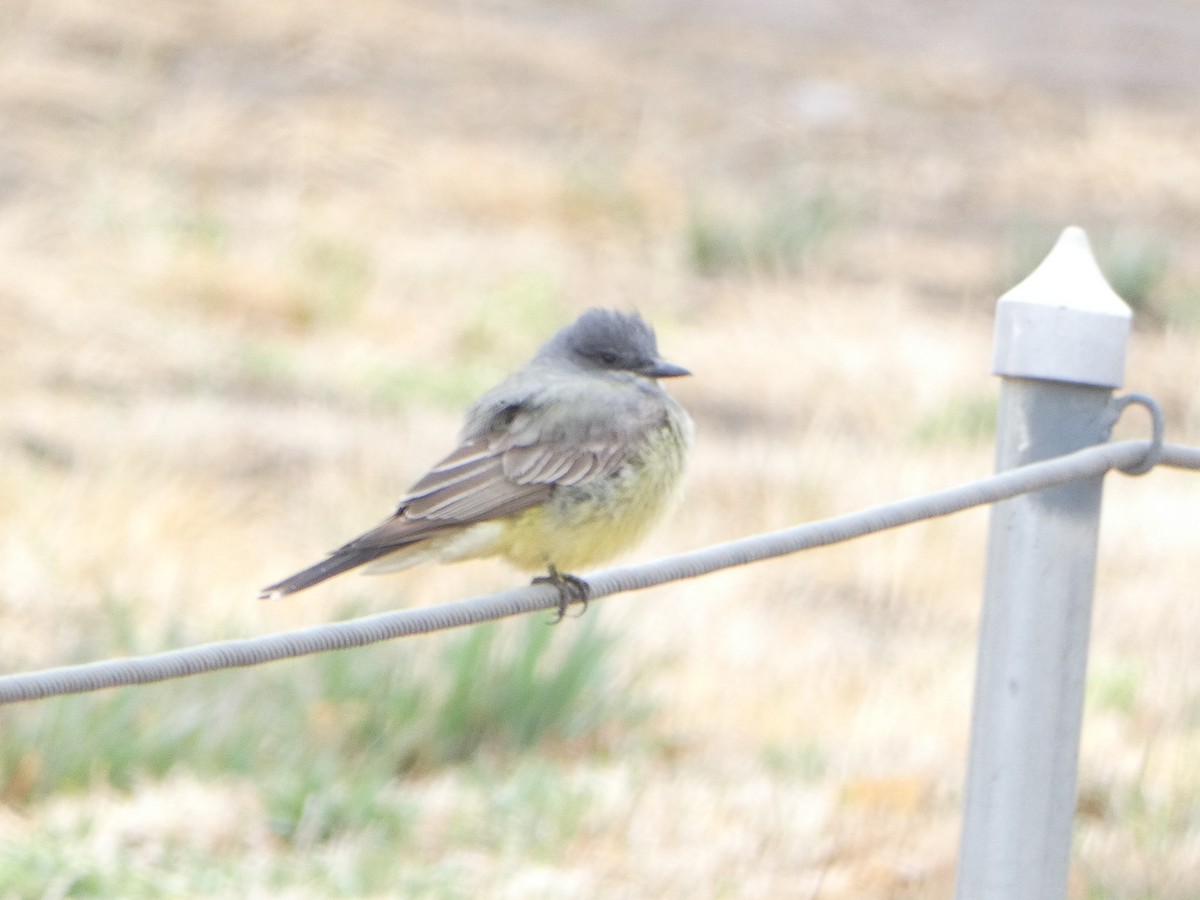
508, 468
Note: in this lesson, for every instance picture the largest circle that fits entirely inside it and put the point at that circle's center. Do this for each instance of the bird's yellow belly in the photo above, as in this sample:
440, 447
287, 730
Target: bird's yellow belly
587, 524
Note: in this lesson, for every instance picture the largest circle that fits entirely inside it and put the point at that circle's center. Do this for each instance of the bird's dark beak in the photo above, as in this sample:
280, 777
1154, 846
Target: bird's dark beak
660, 368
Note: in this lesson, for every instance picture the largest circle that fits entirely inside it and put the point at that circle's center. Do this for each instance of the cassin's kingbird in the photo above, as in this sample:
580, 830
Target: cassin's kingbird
565, 463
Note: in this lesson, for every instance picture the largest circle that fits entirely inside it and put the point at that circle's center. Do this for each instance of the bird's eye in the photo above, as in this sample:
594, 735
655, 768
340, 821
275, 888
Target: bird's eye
608, 359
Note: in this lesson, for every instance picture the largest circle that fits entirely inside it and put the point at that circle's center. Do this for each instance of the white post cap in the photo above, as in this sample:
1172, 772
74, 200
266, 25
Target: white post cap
1063, 322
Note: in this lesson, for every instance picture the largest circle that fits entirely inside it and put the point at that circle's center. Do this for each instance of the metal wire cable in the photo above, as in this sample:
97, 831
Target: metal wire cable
1091, 462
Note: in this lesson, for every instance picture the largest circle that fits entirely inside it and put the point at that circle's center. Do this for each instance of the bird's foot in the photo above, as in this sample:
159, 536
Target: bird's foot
571, 589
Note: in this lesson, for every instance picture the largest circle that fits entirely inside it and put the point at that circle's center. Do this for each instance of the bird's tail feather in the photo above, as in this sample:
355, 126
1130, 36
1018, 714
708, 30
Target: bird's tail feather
337, 562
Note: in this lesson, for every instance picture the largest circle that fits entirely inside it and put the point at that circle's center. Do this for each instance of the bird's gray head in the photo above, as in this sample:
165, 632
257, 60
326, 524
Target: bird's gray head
607, 340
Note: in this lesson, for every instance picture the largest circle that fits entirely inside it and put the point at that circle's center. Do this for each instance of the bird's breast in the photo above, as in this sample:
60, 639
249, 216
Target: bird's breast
581, 525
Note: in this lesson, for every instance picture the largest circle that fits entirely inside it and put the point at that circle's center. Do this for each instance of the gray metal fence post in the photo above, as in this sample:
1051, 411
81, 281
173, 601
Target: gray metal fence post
1060, 346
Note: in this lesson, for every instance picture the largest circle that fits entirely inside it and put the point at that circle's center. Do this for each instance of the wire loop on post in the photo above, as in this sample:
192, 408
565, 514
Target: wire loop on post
1154, 452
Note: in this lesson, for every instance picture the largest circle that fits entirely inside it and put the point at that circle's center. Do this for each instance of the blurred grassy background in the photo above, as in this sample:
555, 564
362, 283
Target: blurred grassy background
256, 259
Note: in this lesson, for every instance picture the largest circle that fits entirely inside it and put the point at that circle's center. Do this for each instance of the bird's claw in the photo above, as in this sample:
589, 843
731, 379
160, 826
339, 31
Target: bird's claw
571, 589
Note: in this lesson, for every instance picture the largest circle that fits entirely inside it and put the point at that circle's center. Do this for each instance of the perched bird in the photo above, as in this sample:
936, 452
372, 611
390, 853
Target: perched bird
565, 463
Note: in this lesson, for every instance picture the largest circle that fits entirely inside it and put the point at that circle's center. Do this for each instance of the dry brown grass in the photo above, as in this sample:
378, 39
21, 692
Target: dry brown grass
257, 257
